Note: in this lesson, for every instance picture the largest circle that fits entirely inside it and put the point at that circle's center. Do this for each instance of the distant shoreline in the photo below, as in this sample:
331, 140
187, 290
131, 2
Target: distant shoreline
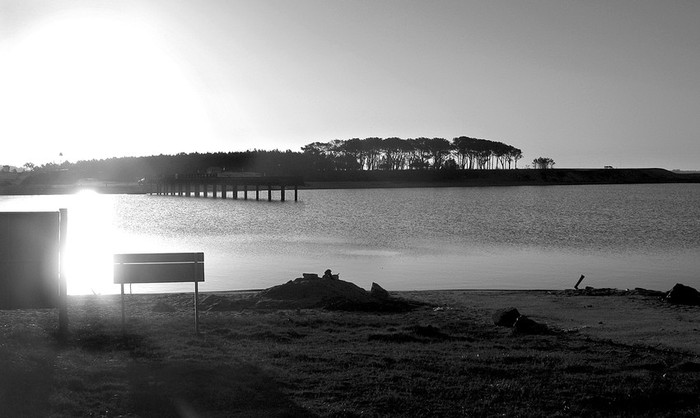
408, 179
494, 178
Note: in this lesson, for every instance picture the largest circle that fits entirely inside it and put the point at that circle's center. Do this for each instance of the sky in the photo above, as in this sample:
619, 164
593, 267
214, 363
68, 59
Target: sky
587, 83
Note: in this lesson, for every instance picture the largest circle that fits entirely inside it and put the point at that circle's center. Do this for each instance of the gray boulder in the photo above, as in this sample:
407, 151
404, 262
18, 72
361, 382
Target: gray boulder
378, 291
527, 326
505, 317
683, 295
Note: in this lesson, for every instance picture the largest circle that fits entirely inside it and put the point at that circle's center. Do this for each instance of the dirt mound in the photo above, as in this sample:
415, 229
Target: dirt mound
313, 292
332, 294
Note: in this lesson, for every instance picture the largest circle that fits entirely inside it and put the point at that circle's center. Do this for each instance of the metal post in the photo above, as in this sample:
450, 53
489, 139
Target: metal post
282, 194
196, 307
62, 283
295, 193
123, 314
223, 190
196, 293
257, 192
269, 192
245, 192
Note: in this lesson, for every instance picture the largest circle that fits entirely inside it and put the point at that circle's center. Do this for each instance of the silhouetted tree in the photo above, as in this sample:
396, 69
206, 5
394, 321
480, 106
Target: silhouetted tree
515, 155
373, 146
439, 149
543, 163
420, 155
394, 150
353, 147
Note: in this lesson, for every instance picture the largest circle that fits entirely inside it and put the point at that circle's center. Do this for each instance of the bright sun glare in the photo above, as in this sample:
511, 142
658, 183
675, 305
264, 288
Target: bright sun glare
89, 252
95, 86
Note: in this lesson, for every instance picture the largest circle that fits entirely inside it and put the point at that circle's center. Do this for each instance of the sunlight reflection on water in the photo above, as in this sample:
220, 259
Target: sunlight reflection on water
440, 238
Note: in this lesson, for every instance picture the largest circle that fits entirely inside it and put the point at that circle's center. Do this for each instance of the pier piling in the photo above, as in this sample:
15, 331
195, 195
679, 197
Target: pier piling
198, 185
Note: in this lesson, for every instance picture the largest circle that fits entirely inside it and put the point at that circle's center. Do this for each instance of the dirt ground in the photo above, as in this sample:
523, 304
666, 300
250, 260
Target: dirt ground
614, 355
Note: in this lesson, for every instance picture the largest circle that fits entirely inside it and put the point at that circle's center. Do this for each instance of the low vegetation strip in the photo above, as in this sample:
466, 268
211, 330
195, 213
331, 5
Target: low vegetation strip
443, 358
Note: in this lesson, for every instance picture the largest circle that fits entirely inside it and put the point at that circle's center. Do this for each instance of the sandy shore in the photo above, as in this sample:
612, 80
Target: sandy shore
606, 355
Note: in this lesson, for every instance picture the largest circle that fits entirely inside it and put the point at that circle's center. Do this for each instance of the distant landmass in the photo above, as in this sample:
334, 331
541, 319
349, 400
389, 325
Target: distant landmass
519, 177
61, 182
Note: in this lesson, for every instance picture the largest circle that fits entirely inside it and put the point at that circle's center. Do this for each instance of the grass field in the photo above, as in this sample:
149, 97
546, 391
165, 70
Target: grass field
609, 356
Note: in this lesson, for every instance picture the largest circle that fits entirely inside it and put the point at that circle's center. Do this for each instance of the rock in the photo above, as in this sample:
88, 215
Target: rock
505, 317
310, 275
378, 291
527, 326
683, 295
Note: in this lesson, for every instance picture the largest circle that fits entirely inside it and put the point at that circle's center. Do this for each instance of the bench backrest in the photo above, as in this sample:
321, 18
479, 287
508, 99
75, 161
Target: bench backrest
158, 267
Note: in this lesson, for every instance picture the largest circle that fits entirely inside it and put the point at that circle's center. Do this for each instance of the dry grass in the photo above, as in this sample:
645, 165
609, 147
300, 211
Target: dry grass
442, 360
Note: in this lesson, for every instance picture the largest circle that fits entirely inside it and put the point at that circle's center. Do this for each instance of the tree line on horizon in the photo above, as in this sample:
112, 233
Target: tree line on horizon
317, 160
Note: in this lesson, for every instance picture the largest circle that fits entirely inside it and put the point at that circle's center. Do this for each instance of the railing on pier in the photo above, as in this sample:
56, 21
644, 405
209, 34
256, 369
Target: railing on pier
227, 185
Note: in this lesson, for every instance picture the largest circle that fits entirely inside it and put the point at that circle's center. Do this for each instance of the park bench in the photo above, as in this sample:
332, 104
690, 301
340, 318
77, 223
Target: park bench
160, 268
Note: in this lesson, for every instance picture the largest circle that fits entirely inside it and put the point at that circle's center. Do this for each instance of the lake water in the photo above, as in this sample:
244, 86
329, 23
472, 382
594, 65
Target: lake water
532, 237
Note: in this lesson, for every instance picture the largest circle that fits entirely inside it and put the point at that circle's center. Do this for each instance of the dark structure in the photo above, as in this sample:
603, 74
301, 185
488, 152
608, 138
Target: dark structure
30, 245
226, 185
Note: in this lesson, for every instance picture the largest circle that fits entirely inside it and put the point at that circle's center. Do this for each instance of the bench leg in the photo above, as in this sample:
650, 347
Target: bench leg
196, 307
123, 314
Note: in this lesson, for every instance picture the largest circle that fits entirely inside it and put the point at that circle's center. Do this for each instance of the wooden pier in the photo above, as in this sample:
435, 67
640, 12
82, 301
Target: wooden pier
227, 185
